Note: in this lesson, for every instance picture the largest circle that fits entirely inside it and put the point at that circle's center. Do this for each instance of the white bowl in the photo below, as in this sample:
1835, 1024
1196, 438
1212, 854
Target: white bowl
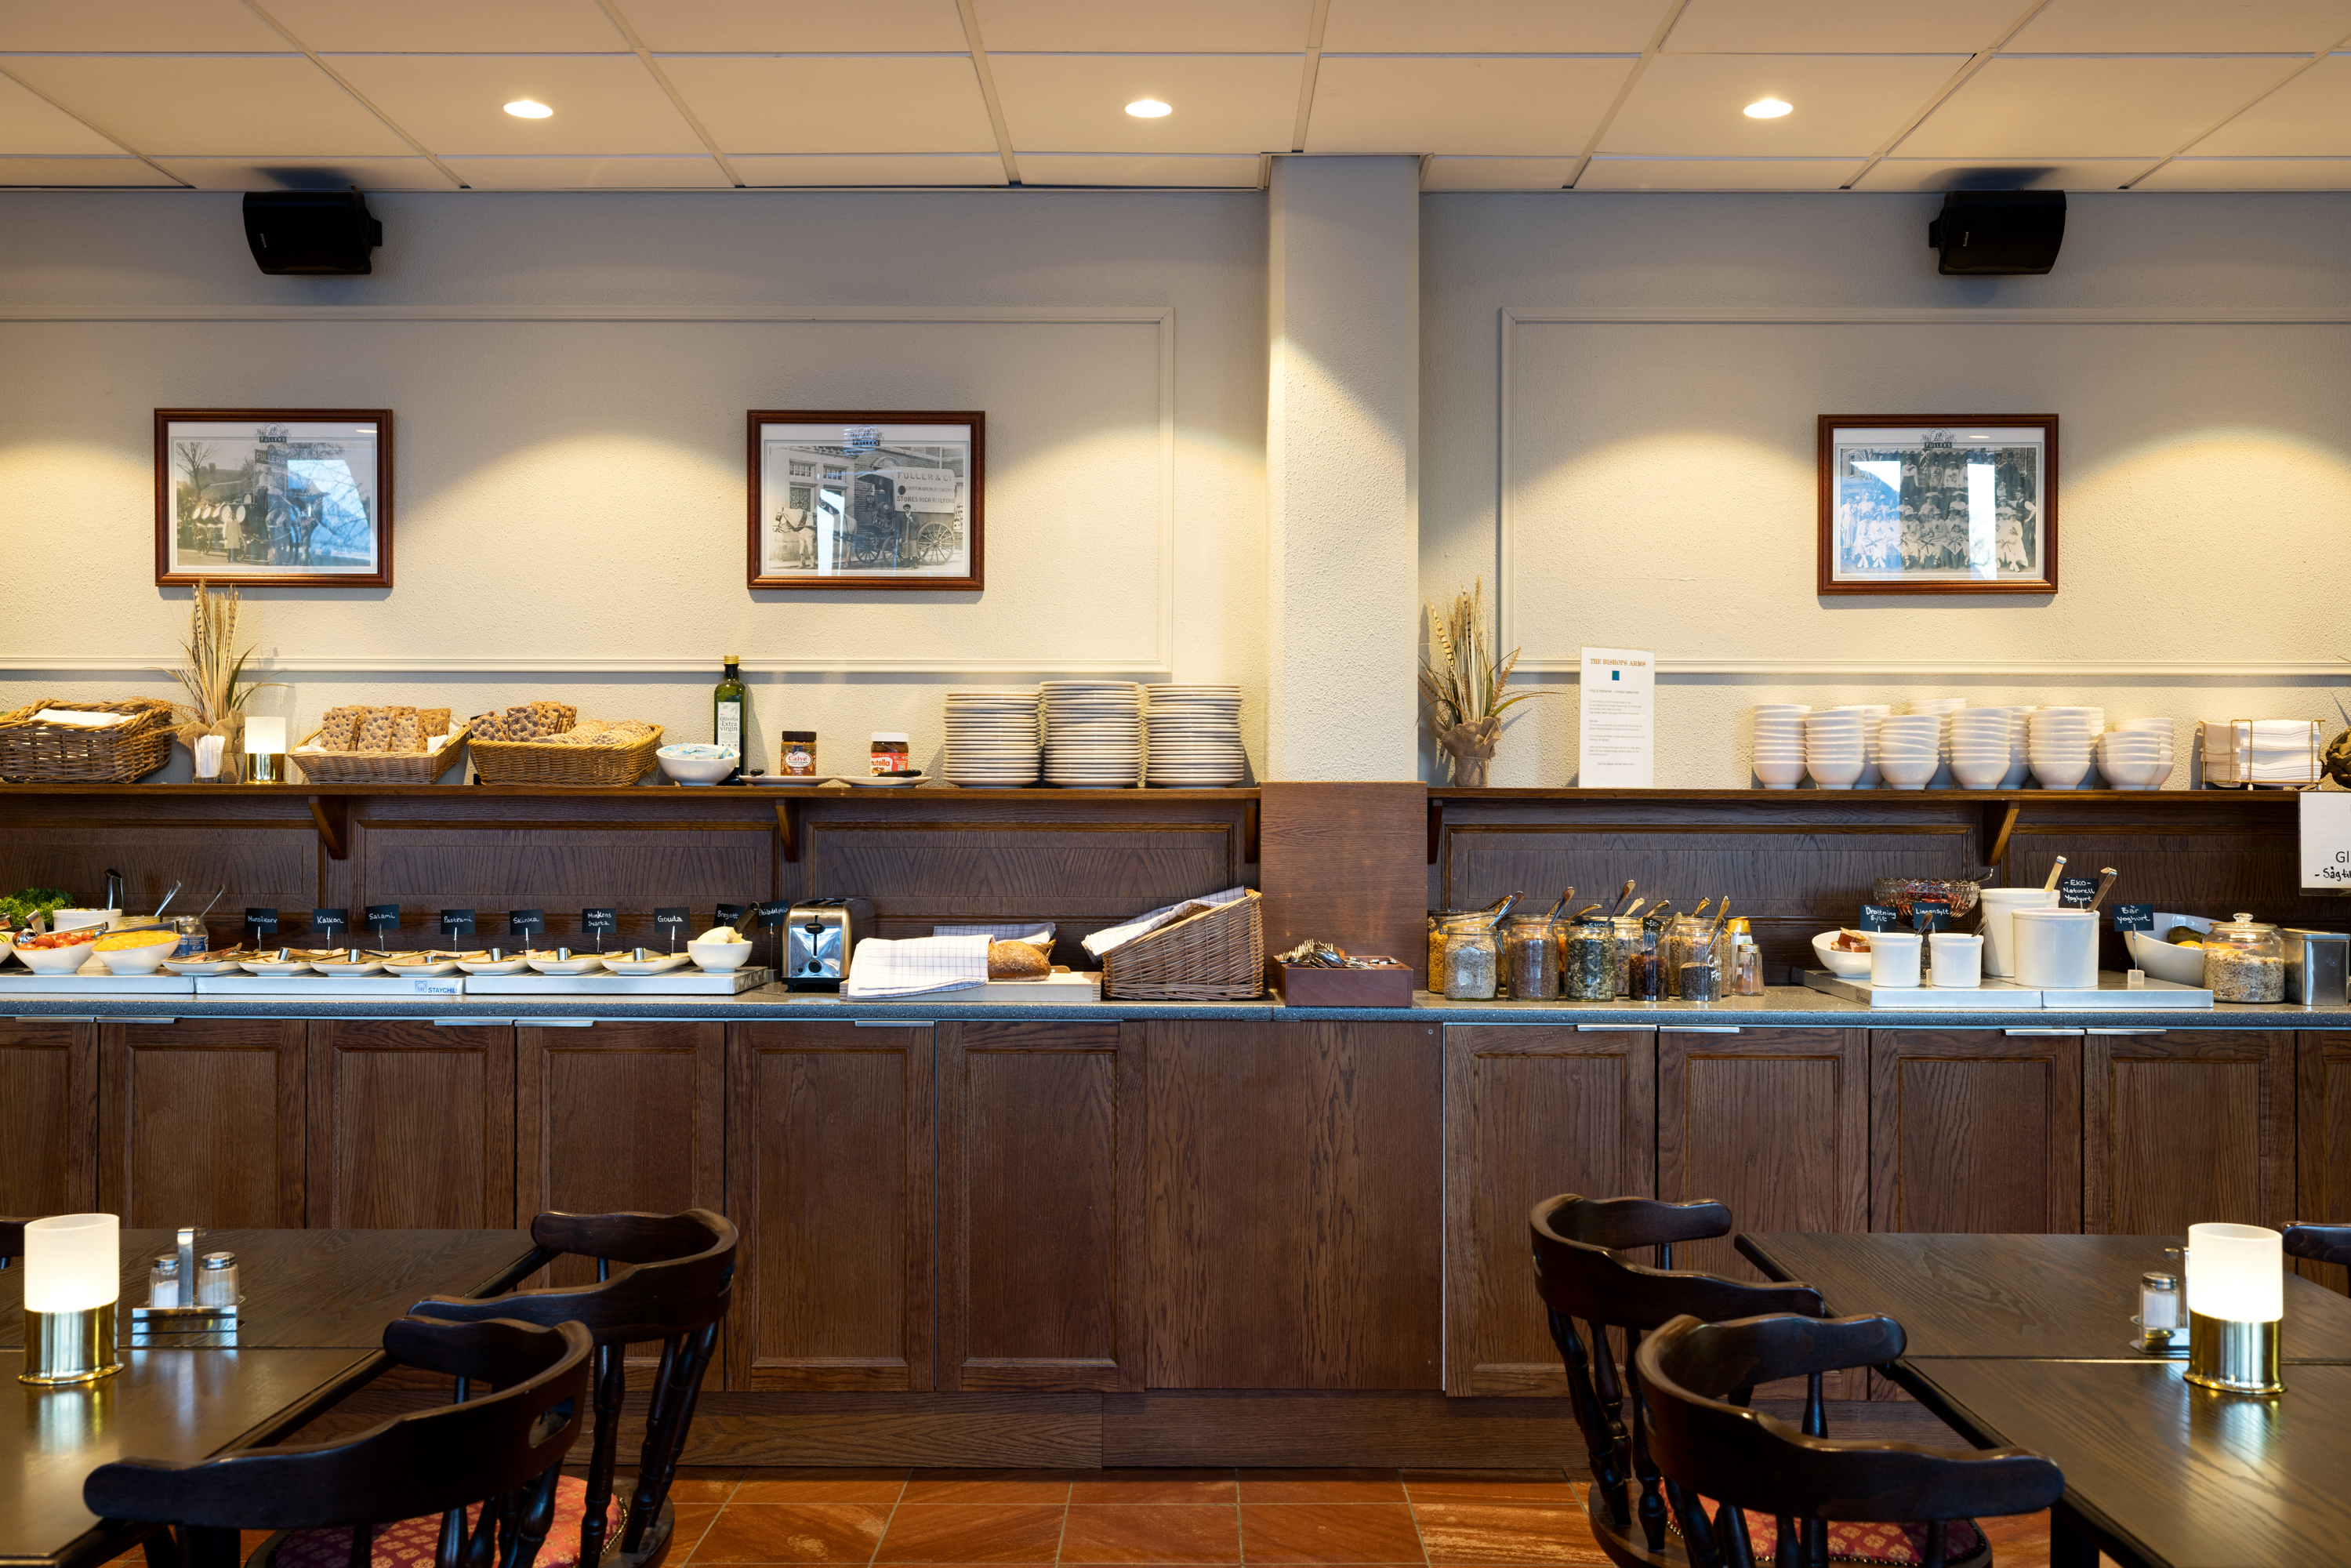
2165, 961
144, 960
1779, 775
1838, 775
1974, 773
81, 919
2134, 773
1851, 966
2060, 773
698, 764
718, 958
55, 960
1907, 772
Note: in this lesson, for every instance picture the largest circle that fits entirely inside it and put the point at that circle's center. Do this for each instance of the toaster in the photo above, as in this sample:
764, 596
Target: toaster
819, 936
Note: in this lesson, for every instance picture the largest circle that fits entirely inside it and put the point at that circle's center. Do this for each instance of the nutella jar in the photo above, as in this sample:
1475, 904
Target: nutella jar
795, 753
892, 753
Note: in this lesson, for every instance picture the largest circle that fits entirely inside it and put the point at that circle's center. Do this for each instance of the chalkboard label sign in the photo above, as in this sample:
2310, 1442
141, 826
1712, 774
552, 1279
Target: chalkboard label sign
1930, 914
600, 920
729, 914
331, 923
456, 922
383, 917
670, 922
2075, 892
2134, 916
527, 923
1878, 917
260, 922
773, 915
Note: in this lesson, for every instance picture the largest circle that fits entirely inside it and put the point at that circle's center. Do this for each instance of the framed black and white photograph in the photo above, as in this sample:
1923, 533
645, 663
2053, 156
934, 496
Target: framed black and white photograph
866, 499
1938, 503
287, 496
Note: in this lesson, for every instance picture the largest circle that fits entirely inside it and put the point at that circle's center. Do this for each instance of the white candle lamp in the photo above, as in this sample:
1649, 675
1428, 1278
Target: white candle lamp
265, 750
2236, 1300
73, 1275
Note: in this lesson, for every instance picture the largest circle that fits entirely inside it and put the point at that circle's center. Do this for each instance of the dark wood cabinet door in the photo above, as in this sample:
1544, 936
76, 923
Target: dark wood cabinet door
48, 1118
1041, 1206
2322, 1137
2181, 1126
1975, 1130
1530, 1113
619, 1116
828, 1176
1296, 1184
201, 1122
411, 1125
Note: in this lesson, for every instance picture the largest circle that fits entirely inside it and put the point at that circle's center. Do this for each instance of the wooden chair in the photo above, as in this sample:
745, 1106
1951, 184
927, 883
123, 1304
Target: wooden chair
2319, 1243
500, 1454
1575, 1241
679, 1280
1795, 1498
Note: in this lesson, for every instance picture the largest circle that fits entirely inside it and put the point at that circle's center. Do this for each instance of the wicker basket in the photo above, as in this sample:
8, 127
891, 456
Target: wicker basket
536, 762
1216, 956
32, 752
379, 767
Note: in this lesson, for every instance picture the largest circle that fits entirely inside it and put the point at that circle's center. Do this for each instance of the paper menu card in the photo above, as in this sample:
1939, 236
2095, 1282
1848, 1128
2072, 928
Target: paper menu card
1617, 746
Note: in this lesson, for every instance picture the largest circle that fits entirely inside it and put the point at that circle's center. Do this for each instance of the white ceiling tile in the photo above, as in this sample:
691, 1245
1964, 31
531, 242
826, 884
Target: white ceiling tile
1484, 104
835, 103
165, 24
308, 173
1497, 173
454, 103
449, 27
2311, 114
1845, 105
592, 173
77, 172
2251, 174
1077, 103
795, 27
2183, 26
30, 123
2083, 107
884, 168
1144, 26
1139, 169
1843, 27
2002, 174
1493, 27
1717, 173
247, 105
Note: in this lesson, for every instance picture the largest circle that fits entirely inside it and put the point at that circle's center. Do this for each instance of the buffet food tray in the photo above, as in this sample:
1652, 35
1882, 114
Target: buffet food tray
2112, 994
94, 983
332, 984
677, 983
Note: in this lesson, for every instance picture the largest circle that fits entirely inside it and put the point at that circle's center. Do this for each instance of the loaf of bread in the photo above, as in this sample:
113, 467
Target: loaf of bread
339, 730
1017, 961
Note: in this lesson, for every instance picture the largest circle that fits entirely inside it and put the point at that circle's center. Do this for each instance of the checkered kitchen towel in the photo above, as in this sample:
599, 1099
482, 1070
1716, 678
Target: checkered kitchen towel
916, 966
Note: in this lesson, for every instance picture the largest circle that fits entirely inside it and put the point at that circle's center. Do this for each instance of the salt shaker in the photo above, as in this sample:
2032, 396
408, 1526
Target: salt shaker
164, 1281
217, 1281
2158, 1311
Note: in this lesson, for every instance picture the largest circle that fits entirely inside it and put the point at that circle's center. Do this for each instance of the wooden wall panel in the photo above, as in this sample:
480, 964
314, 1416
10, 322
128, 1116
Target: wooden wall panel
1343, 862
48, 1118
619, 1116
2181, 1126
2322, 1142
1040, 1207
1296, 1195
202, 1121
829, 1177
1530, 1111
411, 1125
260, 863
1975, 1130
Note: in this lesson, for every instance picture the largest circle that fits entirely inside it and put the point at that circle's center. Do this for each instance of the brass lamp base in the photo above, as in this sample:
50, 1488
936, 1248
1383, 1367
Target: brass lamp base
2233, 1357
266, 768
69, 1347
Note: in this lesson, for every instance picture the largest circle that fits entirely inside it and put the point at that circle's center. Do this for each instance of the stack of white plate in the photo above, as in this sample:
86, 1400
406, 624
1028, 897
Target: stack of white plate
1835, 752
2059, 744
992, 738
1982, 742
1196, 737
2270, 751
1910, 746
1093, 734
1780, 744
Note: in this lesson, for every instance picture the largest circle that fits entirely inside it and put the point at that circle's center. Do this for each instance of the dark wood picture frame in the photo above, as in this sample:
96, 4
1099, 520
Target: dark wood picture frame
1829, 423
972, 581
230, 574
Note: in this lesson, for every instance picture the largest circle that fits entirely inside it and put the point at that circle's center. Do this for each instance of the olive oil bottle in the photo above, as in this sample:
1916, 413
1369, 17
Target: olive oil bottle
727, 705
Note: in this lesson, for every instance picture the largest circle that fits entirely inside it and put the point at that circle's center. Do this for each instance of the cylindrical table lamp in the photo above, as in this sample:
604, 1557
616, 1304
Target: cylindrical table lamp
265, 750
73, 1275
2236, 1296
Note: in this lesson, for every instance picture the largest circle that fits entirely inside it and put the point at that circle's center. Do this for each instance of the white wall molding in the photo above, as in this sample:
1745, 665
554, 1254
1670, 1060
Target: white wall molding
721, 313
1805, 670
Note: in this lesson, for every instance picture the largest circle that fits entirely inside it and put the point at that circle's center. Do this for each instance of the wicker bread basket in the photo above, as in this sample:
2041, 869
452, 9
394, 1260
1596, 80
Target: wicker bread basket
1216, 956
32, 752
379, 767
536, 762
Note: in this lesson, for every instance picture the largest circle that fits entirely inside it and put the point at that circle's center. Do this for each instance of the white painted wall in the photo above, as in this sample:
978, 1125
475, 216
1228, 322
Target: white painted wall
1660, 473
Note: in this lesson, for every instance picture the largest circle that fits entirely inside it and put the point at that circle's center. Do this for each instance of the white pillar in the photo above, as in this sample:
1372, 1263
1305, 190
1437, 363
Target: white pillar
1342, 457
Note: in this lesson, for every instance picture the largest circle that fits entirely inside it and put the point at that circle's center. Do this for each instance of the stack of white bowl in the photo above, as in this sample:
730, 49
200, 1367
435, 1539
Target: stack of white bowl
2132, 758
2019, 747
2276, 752
1870, 714
2161, 729
1981, 742
1909, 748
993, 741
1780, 744
1943, 707
2059, 744
1834, 751
1195, 732
1093, 734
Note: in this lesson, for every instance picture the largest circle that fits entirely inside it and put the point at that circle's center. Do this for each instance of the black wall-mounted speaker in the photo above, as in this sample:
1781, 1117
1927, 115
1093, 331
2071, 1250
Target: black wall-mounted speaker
1992, 234
316, 234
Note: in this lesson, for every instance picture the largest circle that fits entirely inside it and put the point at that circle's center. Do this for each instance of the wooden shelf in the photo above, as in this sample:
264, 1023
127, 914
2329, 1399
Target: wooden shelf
2158, 800
731, 793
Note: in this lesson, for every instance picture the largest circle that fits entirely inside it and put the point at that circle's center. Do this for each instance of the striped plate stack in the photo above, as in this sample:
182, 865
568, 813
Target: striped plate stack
1196, 737
1093, 734
992, 738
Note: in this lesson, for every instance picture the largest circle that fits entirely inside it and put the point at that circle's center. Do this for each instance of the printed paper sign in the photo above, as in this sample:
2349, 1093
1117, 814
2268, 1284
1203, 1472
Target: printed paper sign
2327, 840
1618, 744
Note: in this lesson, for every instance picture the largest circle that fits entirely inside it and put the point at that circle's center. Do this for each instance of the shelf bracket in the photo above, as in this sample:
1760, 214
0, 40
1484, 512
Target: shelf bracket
2000, 830
787, 824
333, 815
1436, 827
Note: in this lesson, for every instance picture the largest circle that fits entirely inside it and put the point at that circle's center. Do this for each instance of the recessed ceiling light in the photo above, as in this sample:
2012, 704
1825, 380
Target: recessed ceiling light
1768, 108
531, 109
1148, 109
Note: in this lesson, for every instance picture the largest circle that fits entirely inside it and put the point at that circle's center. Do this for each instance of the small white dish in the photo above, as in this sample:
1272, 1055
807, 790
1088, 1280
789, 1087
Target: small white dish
578, 964
487, 965
1851, 966
421, 966
350, 969
718, 958
275, 970
56, 960
790, 780
200, 965
660, 964
903, 782
698, 764
81, 919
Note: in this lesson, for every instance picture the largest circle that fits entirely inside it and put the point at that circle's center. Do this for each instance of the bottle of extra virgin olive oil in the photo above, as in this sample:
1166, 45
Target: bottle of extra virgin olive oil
727, 703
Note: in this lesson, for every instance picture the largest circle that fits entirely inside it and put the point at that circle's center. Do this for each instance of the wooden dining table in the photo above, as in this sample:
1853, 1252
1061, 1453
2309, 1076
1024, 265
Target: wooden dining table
310, 1329
2024, 1341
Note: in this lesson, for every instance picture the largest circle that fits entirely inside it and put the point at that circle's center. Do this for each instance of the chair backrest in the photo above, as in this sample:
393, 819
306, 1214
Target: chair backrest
677, 1280
1579, 1275
503, 1450
12, 1241
1694, 1378
2319, 1243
